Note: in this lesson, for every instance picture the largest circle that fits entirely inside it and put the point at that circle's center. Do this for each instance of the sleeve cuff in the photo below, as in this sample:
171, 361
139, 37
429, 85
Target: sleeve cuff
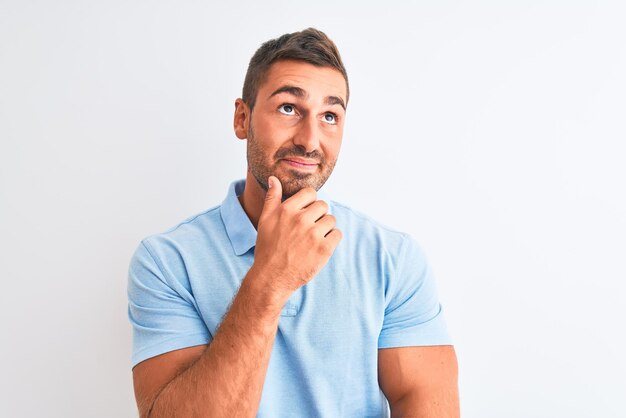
167, 346
432, 332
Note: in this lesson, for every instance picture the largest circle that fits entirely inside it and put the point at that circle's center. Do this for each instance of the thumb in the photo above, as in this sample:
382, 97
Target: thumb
274, 195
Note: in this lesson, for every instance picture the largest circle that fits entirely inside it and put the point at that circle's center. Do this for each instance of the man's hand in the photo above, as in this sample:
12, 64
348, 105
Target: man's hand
295, 238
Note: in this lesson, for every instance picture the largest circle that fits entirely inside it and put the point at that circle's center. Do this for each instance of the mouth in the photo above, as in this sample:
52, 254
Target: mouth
300, 164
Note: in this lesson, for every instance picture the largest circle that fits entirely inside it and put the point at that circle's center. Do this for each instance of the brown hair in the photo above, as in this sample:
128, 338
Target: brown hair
310, 45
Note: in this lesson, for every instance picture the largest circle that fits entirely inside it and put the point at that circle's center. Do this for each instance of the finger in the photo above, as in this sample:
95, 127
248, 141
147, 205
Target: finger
325, 224
301, 199
274, 195
333, 238
315, 211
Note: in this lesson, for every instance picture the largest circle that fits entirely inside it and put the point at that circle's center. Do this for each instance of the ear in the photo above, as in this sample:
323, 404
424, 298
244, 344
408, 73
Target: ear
241, 119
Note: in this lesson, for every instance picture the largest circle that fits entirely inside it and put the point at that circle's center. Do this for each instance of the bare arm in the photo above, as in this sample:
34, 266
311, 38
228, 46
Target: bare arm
420, 382
295, 240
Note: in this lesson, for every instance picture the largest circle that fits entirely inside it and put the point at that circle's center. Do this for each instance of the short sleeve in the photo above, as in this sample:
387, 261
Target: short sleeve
161, 311
413, 314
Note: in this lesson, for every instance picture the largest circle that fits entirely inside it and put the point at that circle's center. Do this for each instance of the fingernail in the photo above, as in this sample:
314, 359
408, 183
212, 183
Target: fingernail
269, 183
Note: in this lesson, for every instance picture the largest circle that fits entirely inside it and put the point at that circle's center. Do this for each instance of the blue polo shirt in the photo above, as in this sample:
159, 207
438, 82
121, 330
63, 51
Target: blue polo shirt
376, 291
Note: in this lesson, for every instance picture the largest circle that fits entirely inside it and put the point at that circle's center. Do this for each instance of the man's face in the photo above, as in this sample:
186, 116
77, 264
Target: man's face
296, 126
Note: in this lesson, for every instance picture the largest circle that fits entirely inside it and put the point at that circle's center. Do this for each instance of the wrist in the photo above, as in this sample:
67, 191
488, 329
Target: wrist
265, 295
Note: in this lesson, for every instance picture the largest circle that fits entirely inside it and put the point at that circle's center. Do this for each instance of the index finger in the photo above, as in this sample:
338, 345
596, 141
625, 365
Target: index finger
301, 199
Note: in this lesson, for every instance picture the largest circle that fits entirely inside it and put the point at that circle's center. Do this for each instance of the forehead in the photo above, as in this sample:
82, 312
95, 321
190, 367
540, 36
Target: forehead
316, 81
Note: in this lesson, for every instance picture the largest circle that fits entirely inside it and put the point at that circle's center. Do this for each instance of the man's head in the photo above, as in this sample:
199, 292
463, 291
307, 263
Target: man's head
292, 110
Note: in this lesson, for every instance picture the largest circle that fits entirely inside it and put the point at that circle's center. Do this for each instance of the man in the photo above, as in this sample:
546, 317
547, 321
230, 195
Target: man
280, 304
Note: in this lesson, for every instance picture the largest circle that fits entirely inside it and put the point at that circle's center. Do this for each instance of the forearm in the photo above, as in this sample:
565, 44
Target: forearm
227, 380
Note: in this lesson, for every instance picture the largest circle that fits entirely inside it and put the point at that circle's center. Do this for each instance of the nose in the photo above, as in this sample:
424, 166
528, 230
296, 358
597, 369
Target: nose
308, 134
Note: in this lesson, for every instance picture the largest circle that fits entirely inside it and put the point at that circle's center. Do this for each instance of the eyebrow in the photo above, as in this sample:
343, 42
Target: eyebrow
333, 100
301, 93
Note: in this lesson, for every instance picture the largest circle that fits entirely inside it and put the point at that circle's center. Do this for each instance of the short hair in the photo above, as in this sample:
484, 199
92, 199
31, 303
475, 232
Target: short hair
310, 45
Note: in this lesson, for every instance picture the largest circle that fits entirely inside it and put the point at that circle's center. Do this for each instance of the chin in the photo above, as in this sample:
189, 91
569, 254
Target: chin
292, 185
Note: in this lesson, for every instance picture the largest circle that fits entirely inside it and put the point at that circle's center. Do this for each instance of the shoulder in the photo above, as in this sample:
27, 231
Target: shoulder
186, 236
193, 224
364, 230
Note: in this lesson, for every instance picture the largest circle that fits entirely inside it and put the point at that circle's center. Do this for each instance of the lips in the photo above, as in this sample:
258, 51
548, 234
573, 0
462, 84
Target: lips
297, 163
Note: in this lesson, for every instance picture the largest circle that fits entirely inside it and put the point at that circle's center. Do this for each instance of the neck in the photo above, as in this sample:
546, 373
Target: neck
252, 199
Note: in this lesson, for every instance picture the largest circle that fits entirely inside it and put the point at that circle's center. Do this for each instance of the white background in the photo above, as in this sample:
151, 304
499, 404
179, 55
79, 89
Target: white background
493, 132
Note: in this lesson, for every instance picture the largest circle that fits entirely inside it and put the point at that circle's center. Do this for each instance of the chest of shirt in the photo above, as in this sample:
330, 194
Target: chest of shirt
346, 299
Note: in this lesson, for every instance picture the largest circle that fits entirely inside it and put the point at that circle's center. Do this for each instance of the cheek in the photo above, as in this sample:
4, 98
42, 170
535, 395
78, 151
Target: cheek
268, 122
272, 134
333, 146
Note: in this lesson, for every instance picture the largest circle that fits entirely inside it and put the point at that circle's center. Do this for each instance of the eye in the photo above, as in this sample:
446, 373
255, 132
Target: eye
330, 118
287, 109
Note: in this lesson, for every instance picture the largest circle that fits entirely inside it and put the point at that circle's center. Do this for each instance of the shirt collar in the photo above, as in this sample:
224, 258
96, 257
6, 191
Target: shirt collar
239, 229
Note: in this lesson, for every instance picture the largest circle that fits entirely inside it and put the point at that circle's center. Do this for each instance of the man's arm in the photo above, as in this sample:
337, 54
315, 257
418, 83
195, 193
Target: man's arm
420, 382
225, 379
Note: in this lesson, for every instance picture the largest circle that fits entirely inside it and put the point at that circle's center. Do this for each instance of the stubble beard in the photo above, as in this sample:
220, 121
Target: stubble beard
294, 180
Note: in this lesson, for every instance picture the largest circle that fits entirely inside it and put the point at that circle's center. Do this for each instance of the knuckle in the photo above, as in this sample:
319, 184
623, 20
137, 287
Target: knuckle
326, 247
283, 210
300, 218
334, 236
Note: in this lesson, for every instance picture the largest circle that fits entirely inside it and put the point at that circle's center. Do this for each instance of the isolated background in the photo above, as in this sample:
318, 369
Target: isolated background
493, 132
